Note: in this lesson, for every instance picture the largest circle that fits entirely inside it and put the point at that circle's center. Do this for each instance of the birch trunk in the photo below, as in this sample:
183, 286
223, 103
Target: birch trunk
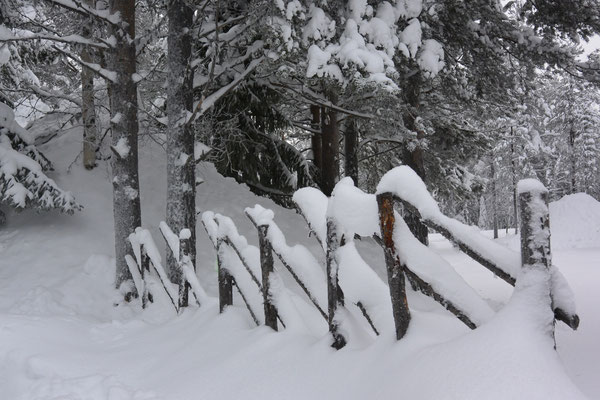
181, 180
124, 126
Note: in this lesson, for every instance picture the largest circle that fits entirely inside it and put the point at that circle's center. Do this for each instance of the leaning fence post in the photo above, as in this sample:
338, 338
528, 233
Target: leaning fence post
334, 297
184, 251
225, 281
266, 264
385, 202
535, 228
145, 269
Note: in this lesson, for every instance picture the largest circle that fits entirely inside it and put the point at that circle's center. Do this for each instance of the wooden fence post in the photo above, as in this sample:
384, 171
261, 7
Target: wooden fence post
395, 273
145, 269
225, 281
535, 229
535, 226
334, 297
184, 251
266, 264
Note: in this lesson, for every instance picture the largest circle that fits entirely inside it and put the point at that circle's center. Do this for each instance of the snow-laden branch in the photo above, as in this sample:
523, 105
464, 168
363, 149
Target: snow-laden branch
70, 39
81, 8
206, 103
104, 73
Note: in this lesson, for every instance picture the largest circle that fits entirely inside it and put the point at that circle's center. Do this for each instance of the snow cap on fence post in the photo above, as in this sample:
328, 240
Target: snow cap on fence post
535, 224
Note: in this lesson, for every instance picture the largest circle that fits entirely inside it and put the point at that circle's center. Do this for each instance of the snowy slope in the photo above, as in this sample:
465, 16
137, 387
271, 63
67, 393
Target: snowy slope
62, 338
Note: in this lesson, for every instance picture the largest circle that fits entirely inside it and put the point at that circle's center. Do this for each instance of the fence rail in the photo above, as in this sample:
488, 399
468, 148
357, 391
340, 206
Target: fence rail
251, 270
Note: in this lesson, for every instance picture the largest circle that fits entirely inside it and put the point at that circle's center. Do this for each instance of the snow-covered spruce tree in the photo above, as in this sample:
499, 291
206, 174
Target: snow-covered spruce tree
340, 47
23, 183
119, 49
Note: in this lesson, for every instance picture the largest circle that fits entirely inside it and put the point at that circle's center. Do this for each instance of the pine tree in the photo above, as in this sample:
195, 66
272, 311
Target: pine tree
23, 183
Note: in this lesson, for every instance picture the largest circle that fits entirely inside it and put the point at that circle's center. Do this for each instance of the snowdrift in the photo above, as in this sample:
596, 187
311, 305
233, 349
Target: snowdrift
62, 338
575, 222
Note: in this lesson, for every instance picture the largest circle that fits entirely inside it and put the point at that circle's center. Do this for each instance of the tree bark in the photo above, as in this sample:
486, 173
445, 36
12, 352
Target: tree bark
315, 139
181, 179
124, 127
494, 200
513, 167
351, 150
572, 159
330, 147
414, 158
88, 108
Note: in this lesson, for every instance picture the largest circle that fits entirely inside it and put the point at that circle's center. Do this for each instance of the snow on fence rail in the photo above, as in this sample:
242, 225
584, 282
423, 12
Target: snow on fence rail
336, 222
147, 255
272, 301
406, 187
359, 214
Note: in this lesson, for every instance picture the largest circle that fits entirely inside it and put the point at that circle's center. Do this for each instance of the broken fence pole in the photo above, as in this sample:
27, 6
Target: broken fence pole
385, 203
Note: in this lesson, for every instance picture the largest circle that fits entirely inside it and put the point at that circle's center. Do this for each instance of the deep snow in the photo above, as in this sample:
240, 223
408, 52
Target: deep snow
62, 338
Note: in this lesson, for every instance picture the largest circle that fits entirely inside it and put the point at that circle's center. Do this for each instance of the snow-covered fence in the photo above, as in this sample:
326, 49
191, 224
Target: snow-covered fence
359, 215
410, 190
146, 255
297, 259
535, 241
251, 271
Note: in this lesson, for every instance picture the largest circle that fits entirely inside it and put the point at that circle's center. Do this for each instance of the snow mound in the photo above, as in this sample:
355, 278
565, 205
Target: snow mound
575, 222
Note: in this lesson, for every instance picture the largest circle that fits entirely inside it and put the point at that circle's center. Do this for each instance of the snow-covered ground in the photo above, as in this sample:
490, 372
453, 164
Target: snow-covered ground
61, 337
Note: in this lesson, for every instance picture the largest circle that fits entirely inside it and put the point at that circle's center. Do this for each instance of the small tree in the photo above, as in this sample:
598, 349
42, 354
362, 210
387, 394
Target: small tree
23, 183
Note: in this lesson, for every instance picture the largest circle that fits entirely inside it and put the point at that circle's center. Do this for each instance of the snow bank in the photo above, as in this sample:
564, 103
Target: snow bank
575, 222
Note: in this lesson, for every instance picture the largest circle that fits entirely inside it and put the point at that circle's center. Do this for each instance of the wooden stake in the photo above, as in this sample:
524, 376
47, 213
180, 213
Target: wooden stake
266, 264
385, 202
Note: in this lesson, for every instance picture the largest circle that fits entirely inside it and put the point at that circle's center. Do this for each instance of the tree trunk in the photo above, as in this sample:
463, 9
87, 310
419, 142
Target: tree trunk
351, 150
181, 179
124, 127
414, 158
513, 167
88, 109
494, 200
315, 139
331, 142
572, 159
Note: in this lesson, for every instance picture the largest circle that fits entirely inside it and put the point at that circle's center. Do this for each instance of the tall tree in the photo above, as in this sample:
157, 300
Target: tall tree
88, 105
181, 179
124, 127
